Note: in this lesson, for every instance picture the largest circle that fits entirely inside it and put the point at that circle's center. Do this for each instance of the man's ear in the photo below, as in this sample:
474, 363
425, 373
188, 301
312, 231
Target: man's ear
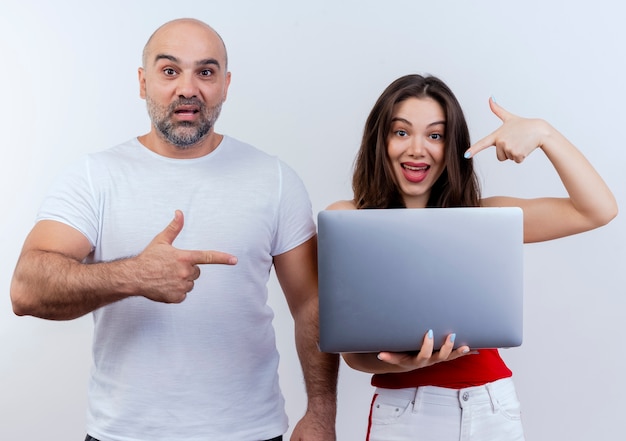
227, 84
142, 82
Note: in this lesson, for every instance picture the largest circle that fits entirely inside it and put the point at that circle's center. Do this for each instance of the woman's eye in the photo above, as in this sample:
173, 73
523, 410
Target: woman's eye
436, 136
401, 133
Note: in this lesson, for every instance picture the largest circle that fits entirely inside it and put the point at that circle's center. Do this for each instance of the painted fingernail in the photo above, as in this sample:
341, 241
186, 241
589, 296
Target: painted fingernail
430, 333
452, 337
467, 154
493, 98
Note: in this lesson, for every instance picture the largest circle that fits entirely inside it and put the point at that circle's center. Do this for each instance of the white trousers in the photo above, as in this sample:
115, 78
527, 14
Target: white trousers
482, 413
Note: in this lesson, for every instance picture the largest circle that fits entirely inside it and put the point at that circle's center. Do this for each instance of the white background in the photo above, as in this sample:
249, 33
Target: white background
304, 77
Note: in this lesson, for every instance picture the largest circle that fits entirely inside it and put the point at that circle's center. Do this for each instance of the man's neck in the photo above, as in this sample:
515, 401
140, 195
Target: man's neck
161, 147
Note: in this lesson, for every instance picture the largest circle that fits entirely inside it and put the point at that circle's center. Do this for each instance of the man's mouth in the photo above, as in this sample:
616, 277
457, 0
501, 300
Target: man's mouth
186, 110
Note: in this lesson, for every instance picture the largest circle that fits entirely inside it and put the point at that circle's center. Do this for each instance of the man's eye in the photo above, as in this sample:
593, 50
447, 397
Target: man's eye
169, 71
206, 73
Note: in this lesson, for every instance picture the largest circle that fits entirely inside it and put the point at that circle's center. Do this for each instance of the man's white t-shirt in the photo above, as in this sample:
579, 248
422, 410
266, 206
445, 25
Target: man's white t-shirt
205, 369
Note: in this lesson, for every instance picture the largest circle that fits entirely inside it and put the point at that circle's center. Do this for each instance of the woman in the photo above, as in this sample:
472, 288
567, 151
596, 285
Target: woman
416, 153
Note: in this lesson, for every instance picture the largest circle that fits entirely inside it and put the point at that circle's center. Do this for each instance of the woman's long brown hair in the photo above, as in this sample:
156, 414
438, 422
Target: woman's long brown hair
373, 180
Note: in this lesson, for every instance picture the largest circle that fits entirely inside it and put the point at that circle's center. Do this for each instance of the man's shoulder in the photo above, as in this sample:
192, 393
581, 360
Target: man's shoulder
230, 142
244, 151
126, 146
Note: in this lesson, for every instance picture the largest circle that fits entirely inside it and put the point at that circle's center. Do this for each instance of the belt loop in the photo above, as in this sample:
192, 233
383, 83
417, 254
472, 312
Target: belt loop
495, 406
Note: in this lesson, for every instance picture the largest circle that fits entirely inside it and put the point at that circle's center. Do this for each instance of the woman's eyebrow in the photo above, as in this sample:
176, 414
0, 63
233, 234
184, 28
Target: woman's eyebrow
402, 120
406, 121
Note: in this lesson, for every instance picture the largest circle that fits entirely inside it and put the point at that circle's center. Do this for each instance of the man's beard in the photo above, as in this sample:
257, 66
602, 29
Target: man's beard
182, 134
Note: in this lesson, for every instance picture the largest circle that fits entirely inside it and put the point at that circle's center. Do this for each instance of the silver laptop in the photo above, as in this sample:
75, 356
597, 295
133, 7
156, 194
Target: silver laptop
387, 276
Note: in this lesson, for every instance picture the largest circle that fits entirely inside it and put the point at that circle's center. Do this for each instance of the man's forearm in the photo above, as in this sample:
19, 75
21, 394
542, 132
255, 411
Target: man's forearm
320, 369
53, 286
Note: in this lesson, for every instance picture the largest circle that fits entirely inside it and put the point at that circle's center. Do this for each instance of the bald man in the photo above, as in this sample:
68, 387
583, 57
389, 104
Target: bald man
168, 240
